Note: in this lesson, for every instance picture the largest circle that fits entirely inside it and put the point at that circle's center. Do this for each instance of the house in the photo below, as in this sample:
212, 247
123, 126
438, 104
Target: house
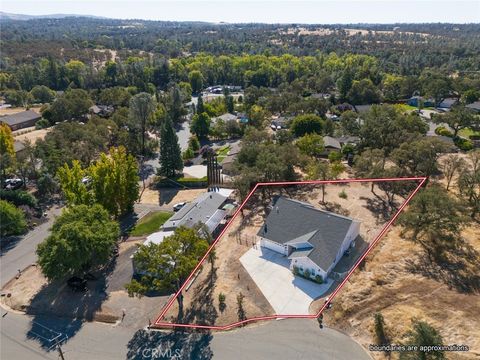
475, 106
225, 118
19, 147
416, 100
447, 103
311, 238
353, 140
101, 110
210, 208
21, 120
331, 144
361, 109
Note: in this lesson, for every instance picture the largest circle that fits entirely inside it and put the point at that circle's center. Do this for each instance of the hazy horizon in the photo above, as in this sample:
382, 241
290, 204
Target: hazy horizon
264, 11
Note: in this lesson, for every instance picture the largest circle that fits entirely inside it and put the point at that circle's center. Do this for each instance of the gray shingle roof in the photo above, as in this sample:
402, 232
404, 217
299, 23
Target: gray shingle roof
331, 142
200, 210
20, 117
290, 219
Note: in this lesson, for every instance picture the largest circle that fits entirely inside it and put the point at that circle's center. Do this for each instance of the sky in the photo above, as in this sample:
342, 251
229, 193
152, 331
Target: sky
264, 11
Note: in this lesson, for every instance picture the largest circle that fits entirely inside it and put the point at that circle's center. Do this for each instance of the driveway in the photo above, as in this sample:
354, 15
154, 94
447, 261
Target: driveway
288, 294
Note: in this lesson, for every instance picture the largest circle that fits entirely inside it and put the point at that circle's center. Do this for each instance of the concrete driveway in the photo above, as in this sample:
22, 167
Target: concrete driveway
288, 294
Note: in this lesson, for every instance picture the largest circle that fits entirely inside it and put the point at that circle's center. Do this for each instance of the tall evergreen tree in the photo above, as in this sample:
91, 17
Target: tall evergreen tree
200, 107
170, 155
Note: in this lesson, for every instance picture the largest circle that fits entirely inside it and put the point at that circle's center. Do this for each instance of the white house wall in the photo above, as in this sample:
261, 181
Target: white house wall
273, 246
305, 263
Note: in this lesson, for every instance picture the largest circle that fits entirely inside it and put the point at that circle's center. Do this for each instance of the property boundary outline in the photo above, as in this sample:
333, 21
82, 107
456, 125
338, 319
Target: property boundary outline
158, 324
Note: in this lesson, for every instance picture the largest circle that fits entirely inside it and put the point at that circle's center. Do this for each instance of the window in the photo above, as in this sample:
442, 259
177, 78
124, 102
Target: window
313, 271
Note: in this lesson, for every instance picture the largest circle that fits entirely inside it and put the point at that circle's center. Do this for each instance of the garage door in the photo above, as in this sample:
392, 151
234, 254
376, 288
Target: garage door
273, 246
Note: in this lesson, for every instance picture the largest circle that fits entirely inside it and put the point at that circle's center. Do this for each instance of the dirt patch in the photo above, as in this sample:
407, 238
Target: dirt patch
169, 197
388, 285
33, 135
14, 110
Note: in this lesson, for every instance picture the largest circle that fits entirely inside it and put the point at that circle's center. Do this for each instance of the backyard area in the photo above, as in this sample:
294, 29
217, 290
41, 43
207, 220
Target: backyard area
150, 223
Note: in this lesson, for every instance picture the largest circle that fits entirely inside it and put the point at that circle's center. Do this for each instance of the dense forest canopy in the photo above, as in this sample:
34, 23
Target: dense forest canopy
404, 49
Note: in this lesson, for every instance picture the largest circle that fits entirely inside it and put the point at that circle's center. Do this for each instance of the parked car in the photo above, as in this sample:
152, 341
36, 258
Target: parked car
178, 206
13, 184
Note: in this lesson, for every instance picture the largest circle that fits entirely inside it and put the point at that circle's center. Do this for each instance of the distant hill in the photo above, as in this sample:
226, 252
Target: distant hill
9, 16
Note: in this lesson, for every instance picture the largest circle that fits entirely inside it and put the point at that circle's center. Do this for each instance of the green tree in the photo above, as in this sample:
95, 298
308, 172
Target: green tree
200, 125
78, 102
196, 81
141, 111
82, 239
170, 155
240, 309
42, 94
419, 158
306, 124
200, 108
311, 145
458, 118
469, 183
7, 151
167, 265
193, 143
422, 334
12, 219
432, 217
364, 92
452, 165
380, 333
114, 181
72, 182
349, 123
175, 107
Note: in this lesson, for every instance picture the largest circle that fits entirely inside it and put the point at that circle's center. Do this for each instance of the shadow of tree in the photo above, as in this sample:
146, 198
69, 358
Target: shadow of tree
202, 309
458, 267
147, 344
69, 308
8, 243
166, 195
379, 207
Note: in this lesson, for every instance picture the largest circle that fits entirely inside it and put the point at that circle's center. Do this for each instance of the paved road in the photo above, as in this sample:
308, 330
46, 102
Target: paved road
278, 339
22, 253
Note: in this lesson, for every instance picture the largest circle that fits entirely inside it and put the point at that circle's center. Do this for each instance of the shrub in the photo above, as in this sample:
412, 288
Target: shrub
443, 131
319, 279
188, 154
463, 144
342, 194
42, 124
306, 273
334, 156
296, 271
19, 198
474, 137
221, 302
13, 219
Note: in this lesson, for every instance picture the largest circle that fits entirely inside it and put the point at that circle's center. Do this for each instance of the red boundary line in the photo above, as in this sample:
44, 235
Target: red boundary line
159, 324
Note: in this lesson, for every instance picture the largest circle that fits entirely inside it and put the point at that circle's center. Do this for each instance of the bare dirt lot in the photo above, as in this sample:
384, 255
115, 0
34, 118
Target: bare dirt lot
169, 197
201, 302
32, 135
401, 282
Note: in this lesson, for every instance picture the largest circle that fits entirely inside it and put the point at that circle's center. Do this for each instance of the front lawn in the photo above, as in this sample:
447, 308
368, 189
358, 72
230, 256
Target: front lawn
222, 153
150, 223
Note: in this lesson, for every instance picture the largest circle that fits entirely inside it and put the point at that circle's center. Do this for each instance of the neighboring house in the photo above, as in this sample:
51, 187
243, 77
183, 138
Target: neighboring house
21, 120
19, 147
361, 109
474, 106
281, 122
321, 96
211, 209
101, 110
343, 140
331, 144
344, 107
225, 117
415, 100
313, 239
447, 103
